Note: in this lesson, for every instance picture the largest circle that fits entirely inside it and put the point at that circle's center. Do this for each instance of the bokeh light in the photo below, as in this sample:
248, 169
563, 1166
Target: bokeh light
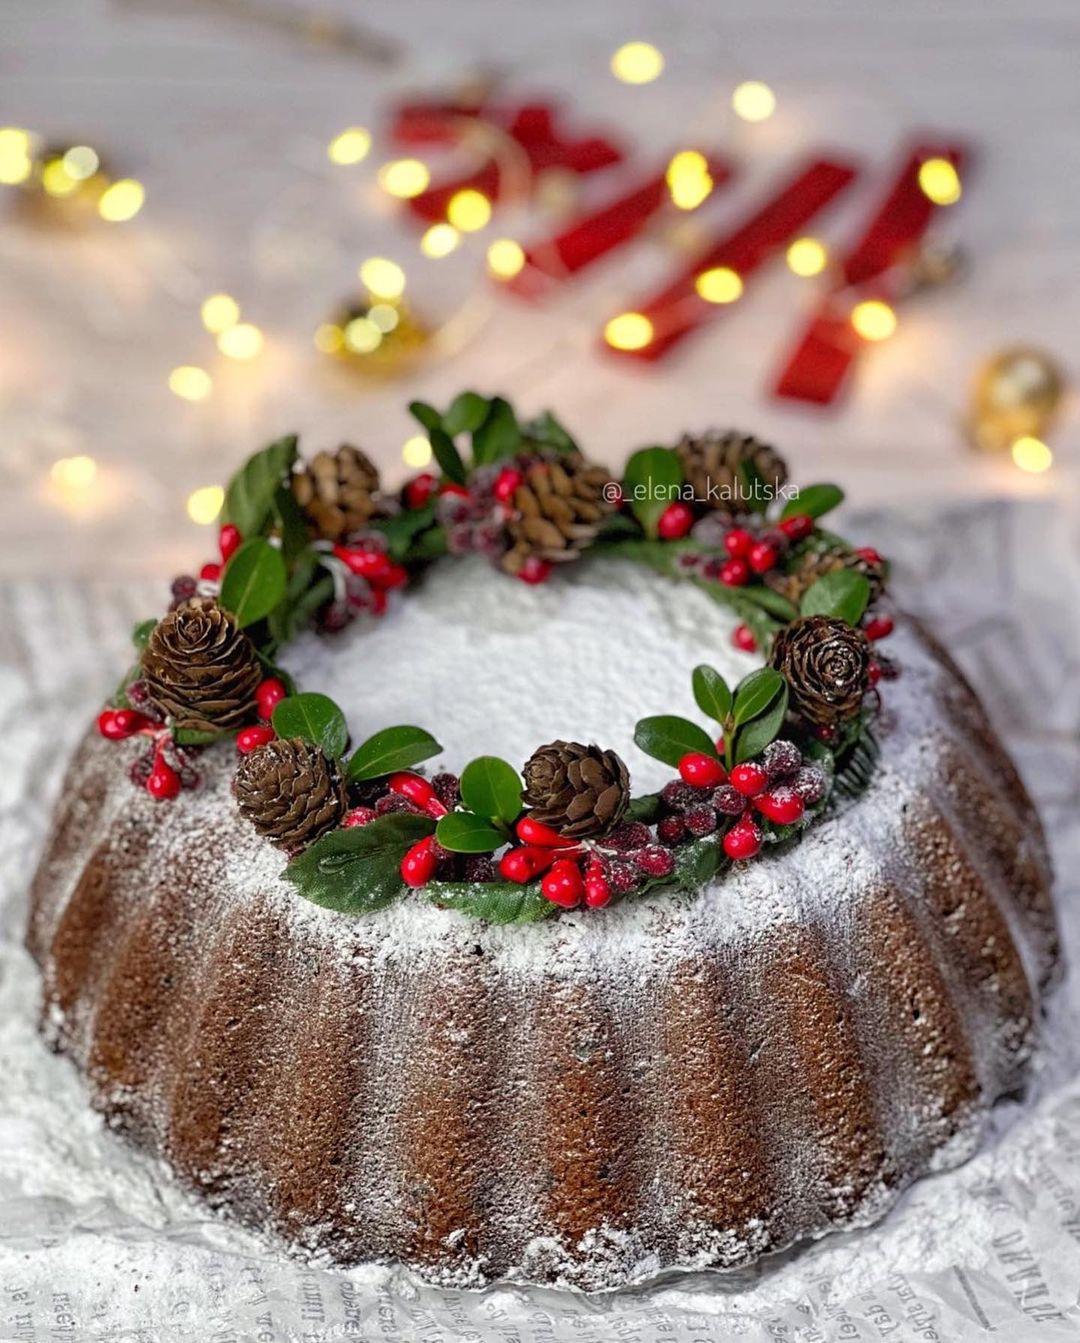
16, 163
940, 182
637, 63
1032, 455
505, 258
469, 211
349, 146
190, 383
719, 285
440, 240
873, 320
241, 342
382, 277
416, 451
404, 178
73, 474
384, 316
81, 162
362, 335
629, 331
56, 181
122, 201
204, 504
807, 257
753, 101
688, 179
219, 312
329, 338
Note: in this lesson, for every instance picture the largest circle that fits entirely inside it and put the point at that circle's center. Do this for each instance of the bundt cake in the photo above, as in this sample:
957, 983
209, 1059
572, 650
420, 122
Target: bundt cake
684, 1079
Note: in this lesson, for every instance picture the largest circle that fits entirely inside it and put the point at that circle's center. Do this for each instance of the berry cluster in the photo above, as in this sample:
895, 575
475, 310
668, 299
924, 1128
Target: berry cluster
365, 576
475, 518
164, 767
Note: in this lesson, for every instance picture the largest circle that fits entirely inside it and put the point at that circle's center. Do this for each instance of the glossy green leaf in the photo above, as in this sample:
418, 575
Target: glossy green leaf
315, 718
447, 456
711, 693
755, 693
492, 901
844, 594
466, 414
814, 501
391, 749
140, 635
465, 832
545, 430
254, 581
428, 416
498, 436
358, 870
492, 788
755, 735
668, 738
651, 482
249, 496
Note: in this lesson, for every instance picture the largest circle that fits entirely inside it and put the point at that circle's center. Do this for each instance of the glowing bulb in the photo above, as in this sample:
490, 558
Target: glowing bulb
637, 63
404, 178
329, 338
505, 258
81, 162
807, 257
688, 179
753, 101
873, 320
629, 331
384, 316
1031, 454
204, 504
719, 285
122, 201
362, 336
440, 240
383, 278
350, 146
242, 341
74, 473
939, 181
416, 451
190, 383
16, 164
469, 210
219, 312
56, 180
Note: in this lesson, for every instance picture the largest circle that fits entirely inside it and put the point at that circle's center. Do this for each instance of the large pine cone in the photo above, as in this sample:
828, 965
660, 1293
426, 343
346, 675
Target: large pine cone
290, 793
577, 790
826, 663
557, 510
336, 491
200, 669
816, 564
731, 472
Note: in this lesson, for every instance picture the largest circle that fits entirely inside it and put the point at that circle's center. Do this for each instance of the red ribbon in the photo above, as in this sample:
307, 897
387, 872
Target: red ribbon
824, 353
678, 310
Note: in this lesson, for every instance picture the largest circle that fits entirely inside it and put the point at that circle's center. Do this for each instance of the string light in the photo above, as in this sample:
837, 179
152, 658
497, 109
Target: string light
219, 312
416, 451
688, 179
241, 342
16, 164
719, 285
81, 162
362, 335
74, 474
637, 63
190, 383
753, 101
1032, 455
122, 201
383, 278
873, 320
404, 178
440, 240
469, 210
329, 338
350, 146
629, 331
505, 258
204, 504
939, 181
807, 257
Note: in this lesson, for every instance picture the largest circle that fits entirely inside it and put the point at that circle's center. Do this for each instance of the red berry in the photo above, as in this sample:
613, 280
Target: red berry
797, 528
763, 557
393, 576
251, 738
749, 779
370, 564
418, 791
506, 482
358, 816
268, 695
701, 771
737, 543
521, 865
377, 603
879, 627
782, 805
734, 573
449, 487
675, 521
743, 840
535, 832
117, 724
622, 877
874, 673
869, 554
229, 539
420, 489
419, 864
597, 890
163, 782
534, 570
654, 860
743, 639
210, 573
563, 885
629, 835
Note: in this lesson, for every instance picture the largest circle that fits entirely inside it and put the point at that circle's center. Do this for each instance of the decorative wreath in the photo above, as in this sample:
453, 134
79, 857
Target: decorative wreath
318, 542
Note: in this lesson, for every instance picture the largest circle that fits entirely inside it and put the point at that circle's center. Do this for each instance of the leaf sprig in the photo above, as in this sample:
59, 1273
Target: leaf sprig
491, 793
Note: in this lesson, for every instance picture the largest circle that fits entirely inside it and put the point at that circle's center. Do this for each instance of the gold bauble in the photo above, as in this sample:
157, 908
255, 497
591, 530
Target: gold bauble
380, 337
1016, 393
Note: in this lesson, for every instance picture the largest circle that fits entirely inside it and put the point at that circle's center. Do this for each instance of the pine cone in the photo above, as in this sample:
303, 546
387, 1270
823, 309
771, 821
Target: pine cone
290, 793
577, 790
336, 492
826, 663
558, 509
730, 471
200, 669
816, 564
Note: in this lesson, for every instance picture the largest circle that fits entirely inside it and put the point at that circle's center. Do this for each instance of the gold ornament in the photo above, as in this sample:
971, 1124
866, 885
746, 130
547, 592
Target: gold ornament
378, 336
64, 183
1016, 394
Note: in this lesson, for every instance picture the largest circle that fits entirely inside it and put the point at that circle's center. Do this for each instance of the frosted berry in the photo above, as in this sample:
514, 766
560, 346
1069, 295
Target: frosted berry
671, 830
419, 864
391, 803
183, 588
734, 573
210, 573
729, 800
782, 805
420, 489
797, 528
879, 627
763, 557
597, 890
621, 877
811, 784
521, 865
701, 771
654, 860
507, 481
479, 867
743, 639
564, 885
781, 758
268, 695
750, 779
632, 835
675, 521
742, 841
737, 543
447, 788
701, 820
249, 739
535, 570
358, 816
678, 795
163, 782
530, 831
229, 539
869, 554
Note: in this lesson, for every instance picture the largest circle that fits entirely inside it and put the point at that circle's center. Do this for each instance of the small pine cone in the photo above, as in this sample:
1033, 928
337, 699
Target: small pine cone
336, 491
826, 663
580, 791
557, 510
200, 669
290, 793
814, 564
730, 472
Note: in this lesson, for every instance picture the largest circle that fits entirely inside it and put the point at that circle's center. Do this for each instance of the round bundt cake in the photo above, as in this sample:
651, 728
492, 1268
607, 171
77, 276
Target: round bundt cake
687, 1079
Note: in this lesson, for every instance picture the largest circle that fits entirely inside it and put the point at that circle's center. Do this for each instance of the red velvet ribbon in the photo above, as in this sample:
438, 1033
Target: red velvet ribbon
678, 310
828, 346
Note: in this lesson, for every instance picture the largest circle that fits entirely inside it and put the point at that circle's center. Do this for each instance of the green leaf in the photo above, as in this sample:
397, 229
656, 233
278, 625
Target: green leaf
448, 457
193, 736
254, 581
402, 529
755, 735
466, 414
814, 502
140, 635
359, 869
651, 482
770, 601
755, 693
843, 594
292, 524
119, 698
428, 416
711, 693
492, 901
644, 808
391, 749
249, 496
546, 430
498, 436
315, 718
465, 832
669, 738
491, 788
